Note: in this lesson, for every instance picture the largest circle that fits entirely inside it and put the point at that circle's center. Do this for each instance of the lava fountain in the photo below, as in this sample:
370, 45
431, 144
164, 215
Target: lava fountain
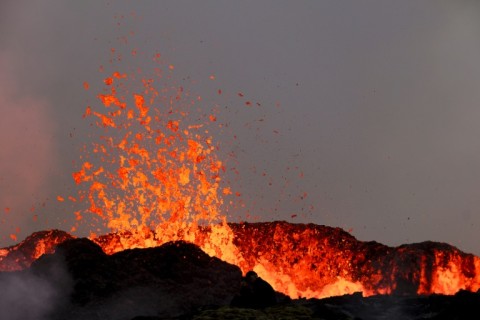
158, 178
154, 175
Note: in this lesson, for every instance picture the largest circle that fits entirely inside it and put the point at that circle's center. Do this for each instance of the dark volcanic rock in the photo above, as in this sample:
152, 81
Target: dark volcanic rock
309, 258
174, 279
179, 281
462, 306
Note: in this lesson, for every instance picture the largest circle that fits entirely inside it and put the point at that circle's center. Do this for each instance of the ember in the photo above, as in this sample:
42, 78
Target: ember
155, 174
155, 177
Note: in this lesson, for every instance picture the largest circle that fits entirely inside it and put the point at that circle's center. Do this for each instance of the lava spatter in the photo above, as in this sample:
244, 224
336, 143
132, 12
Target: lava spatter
152, 165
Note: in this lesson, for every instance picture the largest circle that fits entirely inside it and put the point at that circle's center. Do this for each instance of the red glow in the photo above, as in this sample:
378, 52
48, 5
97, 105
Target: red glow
154, 175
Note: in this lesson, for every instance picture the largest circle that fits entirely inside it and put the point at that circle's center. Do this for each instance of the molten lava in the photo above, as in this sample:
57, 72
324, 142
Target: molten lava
154, 176
153, 168
301, 260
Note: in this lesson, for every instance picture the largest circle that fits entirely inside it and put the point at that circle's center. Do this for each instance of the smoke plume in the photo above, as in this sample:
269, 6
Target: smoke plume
33, 294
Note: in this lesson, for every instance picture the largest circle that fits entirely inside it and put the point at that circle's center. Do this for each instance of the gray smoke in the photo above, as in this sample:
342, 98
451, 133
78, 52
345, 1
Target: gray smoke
33, 294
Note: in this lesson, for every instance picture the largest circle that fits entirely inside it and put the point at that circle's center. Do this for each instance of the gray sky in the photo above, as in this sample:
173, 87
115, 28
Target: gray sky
369, 108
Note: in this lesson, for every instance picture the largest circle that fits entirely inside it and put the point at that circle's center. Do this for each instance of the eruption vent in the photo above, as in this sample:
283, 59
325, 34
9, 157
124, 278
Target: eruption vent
155, 177
301, 260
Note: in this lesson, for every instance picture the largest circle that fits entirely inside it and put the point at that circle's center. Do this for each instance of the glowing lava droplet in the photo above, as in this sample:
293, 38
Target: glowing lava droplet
154, 169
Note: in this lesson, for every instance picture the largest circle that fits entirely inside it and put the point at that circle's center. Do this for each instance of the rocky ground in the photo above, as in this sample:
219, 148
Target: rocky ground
179, 281
463, 305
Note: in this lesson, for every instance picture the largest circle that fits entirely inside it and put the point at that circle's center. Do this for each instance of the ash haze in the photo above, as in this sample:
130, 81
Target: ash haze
368, 119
